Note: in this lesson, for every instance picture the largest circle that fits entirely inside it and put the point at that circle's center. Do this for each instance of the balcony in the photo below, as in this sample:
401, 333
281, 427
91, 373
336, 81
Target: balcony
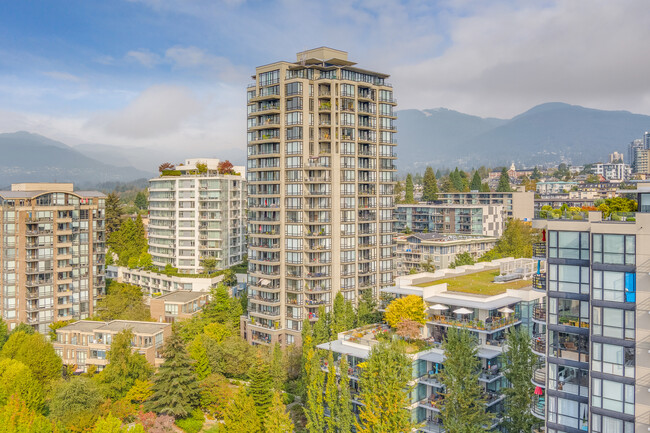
539, 314
539, 250
539, 376
490, 324
539, 344
539, 282
539, 407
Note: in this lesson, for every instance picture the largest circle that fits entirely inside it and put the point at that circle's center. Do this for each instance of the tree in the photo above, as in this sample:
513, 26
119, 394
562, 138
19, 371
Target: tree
278, 368
225, 167
4, 332
314, 409
141, 201
343, 411
209, 264
462, 259
430, 185
536, 174
200, 355
408, 198
410, 307
216, 394
519, 367
16, 417
342, 315
240, 416
367, 309
222, 308
384, 385
202, 167
145, 261
504, 181
409, 329
485, 187
36, 353
331, 394
129, 241
53, 327
278, 420
140, 392
232, 357
517, 241
463, 408
114, 212
124, 367
399, 190
16, 378
475, 185
175, 392
166, 166
260, 387
75, 402
229, 278
122, 302
109, 424
322, 326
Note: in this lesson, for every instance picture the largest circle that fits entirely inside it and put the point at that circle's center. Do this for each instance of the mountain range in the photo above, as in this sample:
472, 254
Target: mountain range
546, 134
27, 157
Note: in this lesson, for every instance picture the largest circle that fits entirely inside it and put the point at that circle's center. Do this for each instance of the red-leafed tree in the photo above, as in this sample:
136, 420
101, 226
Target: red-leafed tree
166, 166
225, 167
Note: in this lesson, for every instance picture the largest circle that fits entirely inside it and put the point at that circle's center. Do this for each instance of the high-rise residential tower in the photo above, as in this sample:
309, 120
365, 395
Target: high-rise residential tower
593, 335
196, 212
52, 255
321, 170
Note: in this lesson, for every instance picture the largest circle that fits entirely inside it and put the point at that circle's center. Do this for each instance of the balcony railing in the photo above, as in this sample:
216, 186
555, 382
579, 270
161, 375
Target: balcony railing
539, 344
489, 324
539, 281
539, 250
539, 313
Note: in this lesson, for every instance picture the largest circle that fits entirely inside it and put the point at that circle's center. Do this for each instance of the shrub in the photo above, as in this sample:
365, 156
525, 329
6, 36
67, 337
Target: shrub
192, 424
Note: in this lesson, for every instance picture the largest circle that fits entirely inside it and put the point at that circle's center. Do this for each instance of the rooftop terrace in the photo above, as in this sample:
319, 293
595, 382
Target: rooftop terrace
478, 283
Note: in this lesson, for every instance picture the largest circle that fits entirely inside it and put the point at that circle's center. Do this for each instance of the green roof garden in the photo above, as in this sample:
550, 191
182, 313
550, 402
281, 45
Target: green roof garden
478, 283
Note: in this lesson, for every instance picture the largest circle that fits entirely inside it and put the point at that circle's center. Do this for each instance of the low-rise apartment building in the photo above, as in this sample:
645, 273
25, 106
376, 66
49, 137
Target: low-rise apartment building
439, 250
614, 172
556, 187
155, 283
178, 306
86, 342
52, 254
197, 213
517, 204
453, 300
488, 220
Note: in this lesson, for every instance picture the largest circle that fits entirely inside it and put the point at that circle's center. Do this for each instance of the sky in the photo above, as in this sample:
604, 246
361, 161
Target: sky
168, 77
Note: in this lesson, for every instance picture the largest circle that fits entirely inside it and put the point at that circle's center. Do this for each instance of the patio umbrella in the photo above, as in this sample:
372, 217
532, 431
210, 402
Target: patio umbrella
463, 311
438, 307
538, 390
506, 310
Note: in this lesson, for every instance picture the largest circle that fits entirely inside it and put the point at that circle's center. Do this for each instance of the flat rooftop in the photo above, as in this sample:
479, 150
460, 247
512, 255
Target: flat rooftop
116, 326
182, 296
478, 283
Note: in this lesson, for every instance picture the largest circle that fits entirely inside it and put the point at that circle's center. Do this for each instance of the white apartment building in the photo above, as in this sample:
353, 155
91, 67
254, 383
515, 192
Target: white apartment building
197, 213
321, 177
613, 171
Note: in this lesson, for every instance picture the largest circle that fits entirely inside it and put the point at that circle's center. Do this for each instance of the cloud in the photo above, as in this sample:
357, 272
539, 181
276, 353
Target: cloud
144, 57
158, 110
63, 76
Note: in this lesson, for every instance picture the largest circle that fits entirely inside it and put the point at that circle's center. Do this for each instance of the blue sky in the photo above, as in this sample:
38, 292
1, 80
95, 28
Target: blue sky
168, 73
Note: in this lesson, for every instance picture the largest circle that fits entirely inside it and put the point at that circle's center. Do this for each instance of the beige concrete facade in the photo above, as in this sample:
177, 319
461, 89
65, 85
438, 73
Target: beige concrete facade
517, 204
87, 342
321, 171
178, 305
52, 255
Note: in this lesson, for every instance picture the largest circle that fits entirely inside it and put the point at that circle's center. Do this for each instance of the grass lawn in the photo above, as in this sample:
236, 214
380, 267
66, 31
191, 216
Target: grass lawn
478, 283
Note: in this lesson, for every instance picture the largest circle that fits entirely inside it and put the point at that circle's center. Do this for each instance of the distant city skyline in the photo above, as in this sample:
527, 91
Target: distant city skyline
170, 74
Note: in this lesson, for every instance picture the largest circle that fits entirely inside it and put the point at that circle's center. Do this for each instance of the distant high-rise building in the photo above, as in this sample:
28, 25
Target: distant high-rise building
615, 157
197, 213
636, 147
321, 167
53, 253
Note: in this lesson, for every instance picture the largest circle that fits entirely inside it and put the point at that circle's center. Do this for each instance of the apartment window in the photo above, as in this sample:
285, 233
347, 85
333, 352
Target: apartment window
606, 424
294, 133
294, 103
294, 147
294, 230
294, 258
347, 148
347, 189
347, 162
347, 243
294, 88
294, 118
347, 119
348, 256
614, 323
568, 412
612, 359
568, 379
347, 90
614, 249
613, 396
614, 286
294, 162
568, 312
568, 245
171, 309
568, 278
294, 244
268, 78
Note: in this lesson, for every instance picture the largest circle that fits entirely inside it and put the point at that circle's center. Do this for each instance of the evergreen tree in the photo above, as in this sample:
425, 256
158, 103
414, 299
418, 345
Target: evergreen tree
485, 187
314, 409
141, 201
349, 315
4, 332
384, 385
463, 409
519, 366
464, 180
430, 186
504, 181
260, 387
457, 180
536, 174
114, 212
322, 327
278, 368
340, 319
331, 394
278, 420
462, 259
448, 184
175, 392
476, 182
240, 415
367, 309
122, 302
399, 190
408, 198
198, 353
344, 412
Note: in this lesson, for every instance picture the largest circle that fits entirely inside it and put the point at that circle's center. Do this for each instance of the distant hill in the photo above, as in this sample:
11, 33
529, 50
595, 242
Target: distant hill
548, 133
27, 157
